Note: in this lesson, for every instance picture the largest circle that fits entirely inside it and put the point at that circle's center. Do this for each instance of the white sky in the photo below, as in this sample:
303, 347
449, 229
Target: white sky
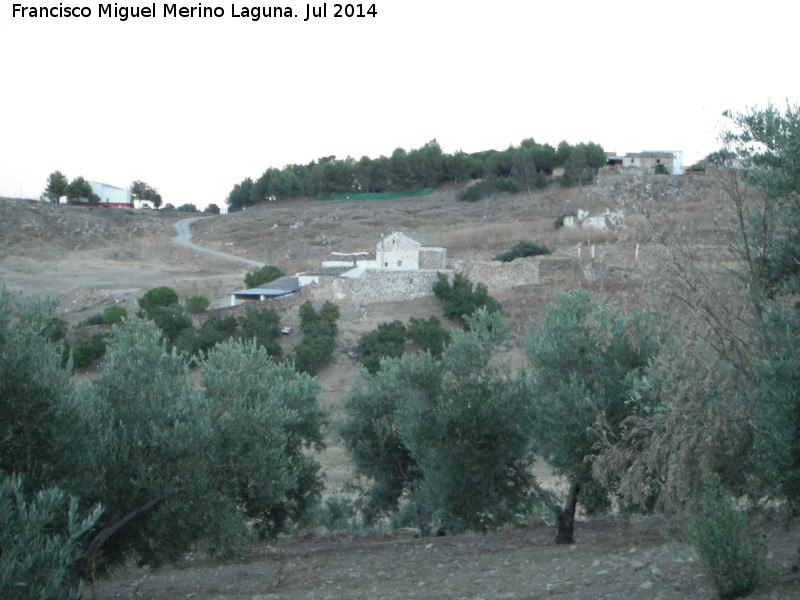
193, 106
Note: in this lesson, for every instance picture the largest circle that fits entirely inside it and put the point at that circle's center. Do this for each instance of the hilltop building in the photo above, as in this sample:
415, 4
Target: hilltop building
648, 159
110, 195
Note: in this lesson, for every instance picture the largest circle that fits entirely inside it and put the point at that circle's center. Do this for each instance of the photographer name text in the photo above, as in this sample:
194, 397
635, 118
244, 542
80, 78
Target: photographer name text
307, 12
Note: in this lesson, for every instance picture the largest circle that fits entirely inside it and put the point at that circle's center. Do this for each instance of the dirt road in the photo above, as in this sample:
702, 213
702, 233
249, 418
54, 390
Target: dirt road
184, 236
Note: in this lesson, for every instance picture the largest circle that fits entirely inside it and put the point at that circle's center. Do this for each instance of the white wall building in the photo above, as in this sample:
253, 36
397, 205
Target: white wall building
111, 195
397, 251
410, 252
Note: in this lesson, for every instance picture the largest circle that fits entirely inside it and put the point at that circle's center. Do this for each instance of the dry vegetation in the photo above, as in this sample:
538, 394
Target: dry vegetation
96, 257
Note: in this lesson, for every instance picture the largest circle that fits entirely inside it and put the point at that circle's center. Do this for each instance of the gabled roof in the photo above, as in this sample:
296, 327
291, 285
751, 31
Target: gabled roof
421, 239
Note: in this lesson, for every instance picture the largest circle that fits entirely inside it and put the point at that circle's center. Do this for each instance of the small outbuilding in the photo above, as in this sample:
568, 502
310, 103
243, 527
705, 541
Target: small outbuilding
279, 287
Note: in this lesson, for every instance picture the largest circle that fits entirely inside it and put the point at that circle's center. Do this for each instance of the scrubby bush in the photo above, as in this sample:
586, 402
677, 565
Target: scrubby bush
213, 331
196, 304
114, 314
463, 298
337, 513
265, 274
158, 297
521, 250
733, 554
89, 350
487, 187
386, 340
319, 337
171, 320
92, 320
56, 332
263, 326
428, 334
41, 542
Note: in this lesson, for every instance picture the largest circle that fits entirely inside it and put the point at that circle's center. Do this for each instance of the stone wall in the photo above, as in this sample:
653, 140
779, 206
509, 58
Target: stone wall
538, 270
392, 285
374, 286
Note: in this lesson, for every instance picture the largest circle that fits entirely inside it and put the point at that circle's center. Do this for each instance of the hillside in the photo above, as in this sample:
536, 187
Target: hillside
95, 257
92, 257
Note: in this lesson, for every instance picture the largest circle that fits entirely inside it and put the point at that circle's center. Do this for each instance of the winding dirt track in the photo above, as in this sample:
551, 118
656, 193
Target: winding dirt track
183, 237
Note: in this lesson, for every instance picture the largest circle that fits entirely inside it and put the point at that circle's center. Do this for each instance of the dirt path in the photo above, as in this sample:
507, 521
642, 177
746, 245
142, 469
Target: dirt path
184, 236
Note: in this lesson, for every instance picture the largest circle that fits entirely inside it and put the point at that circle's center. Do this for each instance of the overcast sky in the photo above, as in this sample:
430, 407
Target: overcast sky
194, 105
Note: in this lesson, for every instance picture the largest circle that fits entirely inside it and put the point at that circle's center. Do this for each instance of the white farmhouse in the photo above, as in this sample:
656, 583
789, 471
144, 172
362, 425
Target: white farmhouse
410, 252
397, 251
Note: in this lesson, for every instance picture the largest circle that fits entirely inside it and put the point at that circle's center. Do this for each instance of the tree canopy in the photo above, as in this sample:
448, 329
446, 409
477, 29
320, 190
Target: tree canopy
410, 170
145, 193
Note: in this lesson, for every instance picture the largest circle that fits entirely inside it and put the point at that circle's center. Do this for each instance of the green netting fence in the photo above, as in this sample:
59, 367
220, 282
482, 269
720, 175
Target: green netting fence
376, 195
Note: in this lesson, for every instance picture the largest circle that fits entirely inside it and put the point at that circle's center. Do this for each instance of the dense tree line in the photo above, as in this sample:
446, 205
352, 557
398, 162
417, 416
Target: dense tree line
523, 167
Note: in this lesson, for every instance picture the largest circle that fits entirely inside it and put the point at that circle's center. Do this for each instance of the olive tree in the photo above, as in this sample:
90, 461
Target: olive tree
176, 466
454, 436
730, 393
585, 359
272, 409
33, 388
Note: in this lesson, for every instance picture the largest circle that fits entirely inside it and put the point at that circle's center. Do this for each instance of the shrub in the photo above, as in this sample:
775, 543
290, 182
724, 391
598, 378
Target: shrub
388, 339
114, 314
263, 326
88, 350
487, 187
661, 169
319, 337
265, 274
171, 320
40, 539
157, 298
196, 304
95, 319
462, 298
428, 334
559, 222
215, 330
337, 512
521, 250
733, 554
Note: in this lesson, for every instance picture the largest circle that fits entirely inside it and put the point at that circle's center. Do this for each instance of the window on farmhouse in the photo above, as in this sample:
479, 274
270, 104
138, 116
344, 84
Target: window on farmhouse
399, 263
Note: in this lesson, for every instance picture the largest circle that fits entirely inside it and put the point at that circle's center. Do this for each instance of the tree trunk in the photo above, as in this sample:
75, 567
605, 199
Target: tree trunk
565, 519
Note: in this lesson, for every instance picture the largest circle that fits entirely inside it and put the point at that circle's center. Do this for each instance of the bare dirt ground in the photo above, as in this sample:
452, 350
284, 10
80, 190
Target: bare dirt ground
94, 257
614, 559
